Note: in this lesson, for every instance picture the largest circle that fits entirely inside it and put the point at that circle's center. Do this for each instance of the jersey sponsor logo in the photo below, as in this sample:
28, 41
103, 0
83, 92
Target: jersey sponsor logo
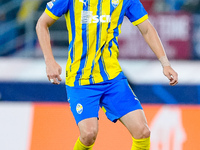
79, 108
115, 3
88, 17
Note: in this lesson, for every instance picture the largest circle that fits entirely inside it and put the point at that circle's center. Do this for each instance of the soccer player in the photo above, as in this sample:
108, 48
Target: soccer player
94, 77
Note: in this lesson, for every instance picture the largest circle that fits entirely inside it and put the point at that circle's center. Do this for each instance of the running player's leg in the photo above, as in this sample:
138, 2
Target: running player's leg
88, 132
120, 103
84, 104
136, 123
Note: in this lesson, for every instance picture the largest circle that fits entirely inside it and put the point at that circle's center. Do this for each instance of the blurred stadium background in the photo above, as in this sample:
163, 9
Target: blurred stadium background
34, 114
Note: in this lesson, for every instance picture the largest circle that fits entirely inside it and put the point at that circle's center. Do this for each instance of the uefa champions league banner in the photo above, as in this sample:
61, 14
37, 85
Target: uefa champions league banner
175, 33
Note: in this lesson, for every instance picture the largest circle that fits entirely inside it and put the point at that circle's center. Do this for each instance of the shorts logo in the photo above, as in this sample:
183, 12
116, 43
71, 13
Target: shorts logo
79, 108
136, 99
68, 99
115, 3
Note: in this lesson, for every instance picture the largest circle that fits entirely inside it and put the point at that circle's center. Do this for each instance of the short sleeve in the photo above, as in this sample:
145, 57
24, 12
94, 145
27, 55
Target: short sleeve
56, 8
136, 12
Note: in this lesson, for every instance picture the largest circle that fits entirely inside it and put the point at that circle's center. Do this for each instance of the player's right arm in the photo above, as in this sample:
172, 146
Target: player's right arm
53, 69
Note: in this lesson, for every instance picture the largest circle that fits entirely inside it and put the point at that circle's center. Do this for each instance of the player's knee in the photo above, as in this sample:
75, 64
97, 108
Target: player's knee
146, 132
89, 136
143, 132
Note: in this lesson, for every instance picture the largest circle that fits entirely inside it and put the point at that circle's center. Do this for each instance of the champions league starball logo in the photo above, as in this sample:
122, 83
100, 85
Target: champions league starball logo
79, 108
51, 3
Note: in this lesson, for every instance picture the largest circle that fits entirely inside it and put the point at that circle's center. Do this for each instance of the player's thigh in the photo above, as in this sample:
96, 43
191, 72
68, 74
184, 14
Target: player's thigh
84, 102
136, 123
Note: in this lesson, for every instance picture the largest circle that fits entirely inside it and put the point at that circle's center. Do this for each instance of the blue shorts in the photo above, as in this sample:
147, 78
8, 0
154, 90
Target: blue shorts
115, 97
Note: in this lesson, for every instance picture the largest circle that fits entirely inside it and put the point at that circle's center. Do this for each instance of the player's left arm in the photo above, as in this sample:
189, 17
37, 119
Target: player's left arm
151, 37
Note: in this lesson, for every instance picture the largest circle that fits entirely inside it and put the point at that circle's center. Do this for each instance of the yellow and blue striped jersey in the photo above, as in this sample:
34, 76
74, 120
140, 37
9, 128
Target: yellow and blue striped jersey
93, 30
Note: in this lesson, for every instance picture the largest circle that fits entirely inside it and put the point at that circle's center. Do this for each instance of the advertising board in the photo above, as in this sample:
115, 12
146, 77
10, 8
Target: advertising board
50, 126
174, 31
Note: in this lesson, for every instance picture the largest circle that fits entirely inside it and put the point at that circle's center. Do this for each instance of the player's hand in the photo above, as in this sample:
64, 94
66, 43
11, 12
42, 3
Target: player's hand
171, 75
53, 71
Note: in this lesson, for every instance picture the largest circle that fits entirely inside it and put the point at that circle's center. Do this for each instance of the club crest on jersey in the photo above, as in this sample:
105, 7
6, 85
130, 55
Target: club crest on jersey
115, 3
79, 108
